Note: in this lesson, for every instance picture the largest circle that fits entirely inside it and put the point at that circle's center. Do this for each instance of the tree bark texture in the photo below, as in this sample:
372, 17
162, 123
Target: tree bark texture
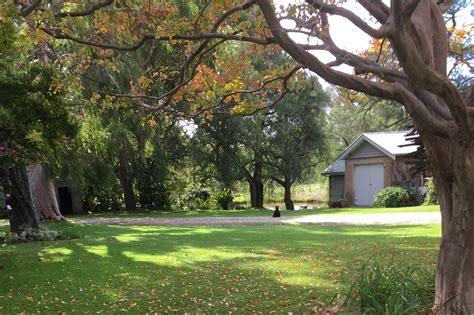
288, 201
22, 214
43, 194
258, 176
255, 182
126, 180
259, 193
453, 174
256, 192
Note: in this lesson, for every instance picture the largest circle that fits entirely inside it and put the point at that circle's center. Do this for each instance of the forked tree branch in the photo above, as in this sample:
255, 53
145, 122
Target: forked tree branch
259, 109
420, 63
321, 6
394, 91
284, 78
417, 109
24, 11
377, 9
101, 4
165, 99
214, 28
312, 63
60, 35
361, 65
444, 5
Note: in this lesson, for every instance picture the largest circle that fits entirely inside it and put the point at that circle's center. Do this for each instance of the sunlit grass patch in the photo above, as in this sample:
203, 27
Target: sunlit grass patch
204, 269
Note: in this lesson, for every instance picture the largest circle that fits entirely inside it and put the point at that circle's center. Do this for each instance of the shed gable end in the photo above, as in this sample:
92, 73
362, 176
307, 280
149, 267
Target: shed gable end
365, 150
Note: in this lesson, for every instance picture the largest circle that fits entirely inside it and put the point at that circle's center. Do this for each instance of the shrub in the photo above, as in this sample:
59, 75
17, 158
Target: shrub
197, 200
35, 235
224, 198
390, 288
155, 197
431, 197
394, 196
202, 194
102, 199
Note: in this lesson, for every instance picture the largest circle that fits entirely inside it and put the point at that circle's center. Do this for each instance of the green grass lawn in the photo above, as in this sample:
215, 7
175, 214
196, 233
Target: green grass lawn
258, 212
198, 269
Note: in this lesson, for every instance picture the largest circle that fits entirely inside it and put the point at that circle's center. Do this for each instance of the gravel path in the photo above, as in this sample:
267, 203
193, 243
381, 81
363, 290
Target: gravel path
353, 219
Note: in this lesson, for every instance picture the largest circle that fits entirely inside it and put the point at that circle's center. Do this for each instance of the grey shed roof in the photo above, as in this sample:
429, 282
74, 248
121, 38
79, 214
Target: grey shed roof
388, 142
336, 168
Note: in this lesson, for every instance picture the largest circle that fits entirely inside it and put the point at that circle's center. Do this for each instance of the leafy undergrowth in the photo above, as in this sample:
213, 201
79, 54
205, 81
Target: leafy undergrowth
40, 234
198, 269
257, 212
388, 286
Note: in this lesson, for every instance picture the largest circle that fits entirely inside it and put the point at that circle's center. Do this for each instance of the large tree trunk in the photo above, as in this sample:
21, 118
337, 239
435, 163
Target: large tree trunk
43, 194
258, 177
22, 214
253, 192
453, 174
126, 181
255, 182
288, 201
256, 192
259, 193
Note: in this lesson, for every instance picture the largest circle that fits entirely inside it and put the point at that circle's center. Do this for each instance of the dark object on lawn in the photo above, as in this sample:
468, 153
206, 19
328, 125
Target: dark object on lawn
303, 207
276, 213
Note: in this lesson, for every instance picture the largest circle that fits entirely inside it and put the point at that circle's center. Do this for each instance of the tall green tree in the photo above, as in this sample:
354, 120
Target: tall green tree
124, 153
252, 155
351, 114
295, 136
233, 147
215, 146
140, 145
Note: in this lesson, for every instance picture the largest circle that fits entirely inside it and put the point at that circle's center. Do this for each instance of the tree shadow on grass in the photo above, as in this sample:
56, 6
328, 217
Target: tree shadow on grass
205, 269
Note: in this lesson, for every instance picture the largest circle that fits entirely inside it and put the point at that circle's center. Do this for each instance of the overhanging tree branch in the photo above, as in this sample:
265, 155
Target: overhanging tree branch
417, 109
88, 11
312, 63
58, 34
394, 91
166, 98
284, 78
30, 8
349, 15
379, 10
425, 64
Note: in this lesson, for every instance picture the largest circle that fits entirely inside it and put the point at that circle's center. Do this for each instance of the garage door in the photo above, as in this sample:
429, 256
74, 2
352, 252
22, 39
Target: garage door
368, 182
